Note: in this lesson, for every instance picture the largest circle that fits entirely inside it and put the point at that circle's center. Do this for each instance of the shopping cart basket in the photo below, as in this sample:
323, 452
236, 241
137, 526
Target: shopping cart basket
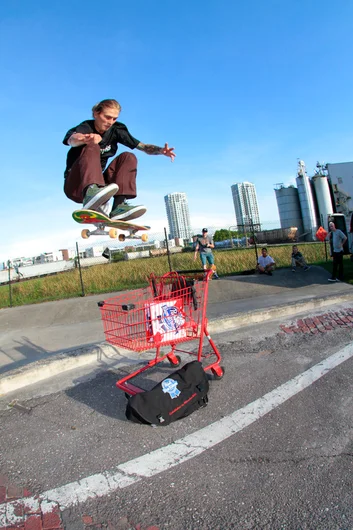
170, 311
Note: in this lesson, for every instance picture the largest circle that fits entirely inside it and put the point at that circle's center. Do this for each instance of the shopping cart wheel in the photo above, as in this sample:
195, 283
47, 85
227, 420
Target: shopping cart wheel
178, 359
216, 376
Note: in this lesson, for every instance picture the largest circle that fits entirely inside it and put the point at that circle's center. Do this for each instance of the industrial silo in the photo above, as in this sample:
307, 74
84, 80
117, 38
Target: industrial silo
323, 197
289, 207
306, 203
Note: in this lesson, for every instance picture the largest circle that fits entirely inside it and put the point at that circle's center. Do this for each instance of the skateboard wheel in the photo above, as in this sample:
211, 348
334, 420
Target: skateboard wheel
85, 234
144, 237
113, 233
121, 237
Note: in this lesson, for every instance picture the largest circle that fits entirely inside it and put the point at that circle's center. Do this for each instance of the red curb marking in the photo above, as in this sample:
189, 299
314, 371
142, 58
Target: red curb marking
2, 495
34, 522
51, 520
13, 492
320, 323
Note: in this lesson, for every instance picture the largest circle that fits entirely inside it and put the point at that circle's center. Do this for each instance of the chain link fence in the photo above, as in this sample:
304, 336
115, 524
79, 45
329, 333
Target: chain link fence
100, 265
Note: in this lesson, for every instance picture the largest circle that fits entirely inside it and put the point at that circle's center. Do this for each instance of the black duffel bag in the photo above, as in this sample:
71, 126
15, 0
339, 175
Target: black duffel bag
177, 396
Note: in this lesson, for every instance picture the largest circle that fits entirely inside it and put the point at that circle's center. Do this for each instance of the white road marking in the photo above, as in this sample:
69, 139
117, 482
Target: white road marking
181, 450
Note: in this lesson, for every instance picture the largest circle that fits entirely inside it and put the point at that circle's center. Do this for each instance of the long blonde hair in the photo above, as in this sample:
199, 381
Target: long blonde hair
98, 107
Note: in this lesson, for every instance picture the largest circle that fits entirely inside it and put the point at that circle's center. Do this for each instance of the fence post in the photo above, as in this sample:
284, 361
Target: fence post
254, 238
168, 253
231, 237
79, 268
10, 287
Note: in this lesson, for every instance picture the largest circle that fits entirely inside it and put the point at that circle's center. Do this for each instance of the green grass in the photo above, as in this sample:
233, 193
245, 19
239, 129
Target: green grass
125, 275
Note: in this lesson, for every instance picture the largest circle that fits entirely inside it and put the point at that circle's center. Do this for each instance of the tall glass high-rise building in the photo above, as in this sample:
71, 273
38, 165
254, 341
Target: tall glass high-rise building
177, 208
245, 205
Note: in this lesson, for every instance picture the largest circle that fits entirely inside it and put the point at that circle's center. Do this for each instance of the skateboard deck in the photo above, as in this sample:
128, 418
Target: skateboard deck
100, 221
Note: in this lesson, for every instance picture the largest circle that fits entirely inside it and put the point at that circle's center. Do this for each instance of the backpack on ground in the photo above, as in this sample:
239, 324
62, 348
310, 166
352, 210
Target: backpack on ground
177, 396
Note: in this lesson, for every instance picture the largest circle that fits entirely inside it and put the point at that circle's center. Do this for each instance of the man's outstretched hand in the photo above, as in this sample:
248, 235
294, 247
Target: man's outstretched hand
168, 151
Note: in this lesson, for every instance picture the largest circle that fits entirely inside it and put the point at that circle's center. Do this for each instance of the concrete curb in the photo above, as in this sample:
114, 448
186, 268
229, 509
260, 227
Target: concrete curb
106, 355
63, 362
244, 319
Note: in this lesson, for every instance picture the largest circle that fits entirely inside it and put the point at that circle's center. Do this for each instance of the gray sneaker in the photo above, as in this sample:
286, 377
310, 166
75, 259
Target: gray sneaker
126, 212
96, 196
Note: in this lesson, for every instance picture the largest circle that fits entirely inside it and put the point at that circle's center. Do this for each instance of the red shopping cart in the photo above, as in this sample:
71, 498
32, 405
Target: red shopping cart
170, 311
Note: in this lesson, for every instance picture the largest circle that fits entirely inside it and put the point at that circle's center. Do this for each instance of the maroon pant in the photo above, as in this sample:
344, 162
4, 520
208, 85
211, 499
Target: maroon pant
87, 170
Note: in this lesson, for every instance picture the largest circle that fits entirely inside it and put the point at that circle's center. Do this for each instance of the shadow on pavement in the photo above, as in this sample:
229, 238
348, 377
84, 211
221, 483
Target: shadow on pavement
102, 395
30, 353
254, 285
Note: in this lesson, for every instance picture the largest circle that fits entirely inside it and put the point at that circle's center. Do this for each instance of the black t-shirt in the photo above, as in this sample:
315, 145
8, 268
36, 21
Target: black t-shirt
117, 134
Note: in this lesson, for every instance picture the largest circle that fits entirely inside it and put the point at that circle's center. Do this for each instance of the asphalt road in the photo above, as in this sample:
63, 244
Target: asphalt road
291, 467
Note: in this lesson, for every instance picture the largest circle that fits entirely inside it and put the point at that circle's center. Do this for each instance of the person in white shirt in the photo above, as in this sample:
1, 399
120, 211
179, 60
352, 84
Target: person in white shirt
338, 239
265, 263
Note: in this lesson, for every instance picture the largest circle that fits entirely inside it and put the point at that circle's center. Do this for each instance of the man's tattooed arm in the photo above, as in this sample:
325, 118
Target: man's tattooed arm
150, 149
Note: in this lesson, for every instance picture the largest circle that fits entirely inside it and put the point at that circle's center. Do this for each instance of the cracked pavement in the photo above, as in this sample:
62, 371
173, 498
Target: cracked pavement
290, 469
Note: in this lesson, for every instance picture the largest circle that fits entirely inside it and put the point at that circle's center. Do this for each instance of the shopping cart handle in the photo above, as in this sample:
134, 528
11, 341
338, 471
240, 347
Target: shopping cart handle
190, 270
128, 307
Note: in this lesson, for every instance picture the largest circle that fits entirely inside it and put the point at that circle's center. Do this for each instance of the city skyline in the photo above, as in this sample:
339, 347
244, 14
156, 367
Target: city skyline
245, 205
178, 215
340, 174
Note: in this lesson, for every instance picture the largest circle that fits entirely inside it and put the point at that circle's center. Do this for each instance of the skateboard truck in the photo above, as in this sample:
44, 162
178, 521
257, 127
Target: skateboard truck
112, 233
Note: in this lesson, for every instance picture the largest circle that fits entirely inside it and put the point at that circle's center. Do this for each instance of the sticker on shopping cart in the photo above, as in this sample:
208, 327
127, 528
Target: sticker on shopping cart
169, 386
171, 318
167, 319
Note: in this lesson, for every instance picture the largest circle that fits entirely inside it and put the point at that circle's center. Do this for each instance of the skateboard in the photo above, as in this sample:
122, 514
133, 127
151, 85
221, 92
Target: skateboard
100, 221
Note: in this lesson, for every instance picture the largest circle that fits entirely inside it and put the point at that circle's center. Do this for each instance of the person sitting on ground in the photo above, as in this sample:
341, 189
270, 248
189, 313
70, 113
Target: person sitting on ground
298, 259
92, 142
265, 263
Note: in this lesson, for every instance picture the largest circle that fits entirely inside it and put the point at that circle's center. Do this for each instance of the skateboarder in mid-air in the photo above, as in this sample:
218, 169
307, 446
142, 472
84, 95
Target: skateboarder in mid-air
92, 142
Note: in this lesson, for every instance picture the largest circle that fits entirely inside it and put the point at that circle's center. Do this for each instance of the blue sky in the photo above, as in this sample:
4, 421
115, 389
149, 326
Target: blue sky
240, 89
